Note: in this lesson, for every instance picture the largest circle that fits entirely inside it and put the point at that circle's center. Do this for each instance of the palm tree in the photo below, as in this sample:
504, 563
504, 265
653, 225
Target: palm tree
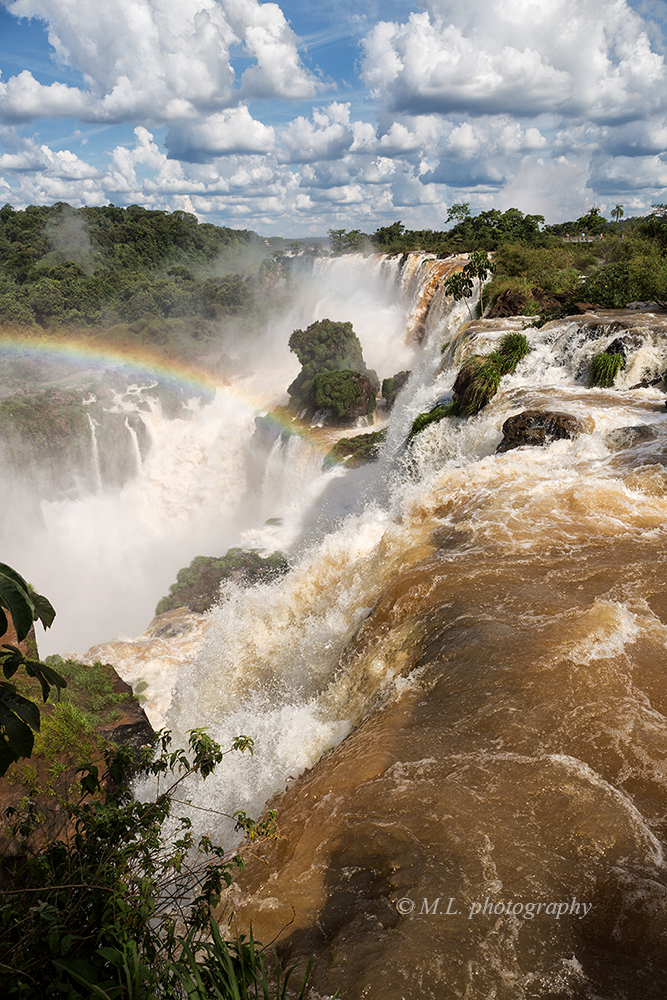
617, 212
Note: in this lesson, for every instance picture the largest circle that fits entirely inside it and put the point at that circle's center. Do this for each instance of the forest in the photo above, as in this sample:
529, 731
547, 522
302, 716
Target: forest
109, 267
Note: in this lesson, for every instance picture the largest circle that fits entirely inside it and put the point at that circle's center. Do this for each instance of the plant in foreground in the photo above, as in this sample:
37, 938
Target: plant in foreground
119, 907
604, 369
19, 717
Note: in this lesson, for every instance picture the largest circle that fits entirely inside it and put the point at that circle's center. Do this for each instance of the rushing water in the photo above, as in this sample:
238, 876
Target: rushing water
487, 630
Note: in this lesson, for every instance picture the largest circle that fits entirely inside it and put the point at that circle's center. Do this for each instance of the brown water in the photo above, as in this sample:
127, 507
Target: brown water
495, 827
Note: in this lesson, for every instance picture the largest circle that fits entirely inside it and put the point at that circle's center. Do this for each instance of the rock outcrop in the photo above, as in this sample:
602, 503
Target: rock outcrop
540, 427
628, 437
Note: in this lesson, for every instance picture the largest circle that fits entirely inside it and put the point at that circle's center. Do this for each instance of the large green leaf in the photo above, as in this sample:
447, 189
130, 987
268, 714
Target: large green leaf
44, 610
18, 734
26, 710
15, 597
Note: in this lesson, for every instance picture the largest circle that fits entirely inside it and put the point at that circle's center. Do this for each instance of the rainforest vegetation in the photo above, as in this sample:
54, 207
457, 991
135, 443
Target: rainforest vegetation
162, 276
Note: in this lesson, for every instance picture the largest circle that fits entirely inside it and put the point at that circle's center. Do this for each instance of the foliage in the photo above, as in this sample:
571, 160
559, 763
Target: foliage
357, 450
347, 242
477, 382
605, 367
481, 378
19, 717
461, 284
338, 391
486, 231
197, 586
512, 349
433, 416
65, 266
118, 907
235, 970
325, 346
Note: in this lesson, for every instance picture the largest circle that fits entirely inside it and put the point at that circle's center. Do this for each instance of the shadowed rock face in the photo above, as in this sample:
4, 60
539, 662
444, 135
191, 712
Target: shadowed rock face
540, 427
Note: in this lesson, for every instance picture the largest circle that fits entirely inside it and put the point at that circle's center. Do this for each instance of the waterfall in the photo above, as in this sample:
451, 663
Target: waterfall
97, 475
457, 692
134, 438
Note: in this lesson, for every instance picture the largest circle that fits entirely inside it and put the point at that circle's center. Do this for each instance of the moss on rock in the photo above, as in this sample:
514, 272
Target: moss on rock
197, 586
358, 450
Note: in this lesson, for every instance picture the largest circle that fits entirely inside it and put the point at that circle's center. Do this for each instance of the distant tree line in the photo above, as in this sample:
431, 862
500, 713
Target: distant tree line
543, 269
64, 266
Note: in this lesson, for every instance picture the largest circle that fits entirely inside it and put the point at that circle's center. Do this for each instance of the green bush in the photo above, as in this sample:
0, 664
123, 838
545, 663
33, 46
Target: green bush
357, 450
433, 416
477, 382
117, 907
338, 391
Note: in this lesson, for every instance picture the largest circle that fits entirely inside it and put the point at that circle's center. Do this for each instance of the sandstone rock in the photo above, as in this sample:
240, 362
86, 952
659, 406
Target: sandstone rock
540, 427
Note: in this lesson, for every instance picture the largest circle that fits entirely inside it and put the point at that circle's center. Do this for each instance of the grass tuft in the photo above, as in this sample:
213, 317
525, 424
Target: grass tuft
604, 369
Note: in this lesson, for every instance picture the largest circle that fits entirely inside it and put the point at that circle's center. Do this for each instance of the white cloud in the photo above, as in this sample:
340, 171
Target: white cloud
231, 131
327, 136
629, 173
163, 59
22, 99
592, 57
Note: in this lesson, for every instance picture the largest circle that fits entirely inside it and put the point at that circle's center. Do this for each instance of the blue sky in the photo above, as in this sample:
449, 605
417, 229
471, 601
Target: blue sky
297, 117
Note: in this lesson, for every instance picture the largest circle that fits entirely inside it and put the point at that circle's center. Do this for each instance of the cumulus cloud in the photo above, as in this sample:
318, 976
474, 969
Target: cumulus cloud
22, 99
163, 59
625, 173
327, 135
231, 131
592, 57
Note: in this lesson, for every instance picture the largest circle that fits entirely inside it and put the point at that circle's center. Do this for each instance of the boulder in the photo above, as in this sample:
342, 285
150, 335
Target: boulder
628, 437
540, 427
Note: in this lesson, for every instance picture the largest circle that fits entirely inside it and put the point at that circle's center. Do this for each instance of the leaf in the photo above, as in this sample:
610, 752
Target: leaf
43, 610
46, 677
19, 735
20, 706
7, 755
15, 597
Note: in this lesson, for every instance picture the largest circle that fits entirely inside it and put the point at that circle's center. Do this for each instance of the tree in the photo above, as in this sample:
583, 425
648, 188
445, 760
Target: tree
459, 213
617, 212
479, 266
19, 717
460, 286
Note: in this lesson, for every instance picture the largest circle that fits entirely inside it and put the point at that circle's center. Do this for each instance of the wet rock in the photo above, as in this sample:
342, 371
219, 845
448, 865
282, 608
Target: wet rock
628, 437
392, 386
197, 586
540, 427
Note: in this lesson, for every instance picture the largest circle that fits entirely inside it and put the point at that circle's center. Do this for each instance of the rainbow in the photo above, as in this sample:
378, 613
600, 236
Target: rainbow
82, 353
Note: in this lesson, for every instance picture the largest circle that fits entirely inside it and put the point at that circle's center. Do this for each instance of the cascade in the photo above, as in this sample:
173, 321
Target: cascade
134, 437
97, 475
469, 645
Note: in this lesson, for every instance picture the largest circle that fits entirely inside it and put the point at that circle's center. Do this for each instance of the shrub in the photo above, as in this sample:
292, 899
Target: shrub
433, 416
117, 908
